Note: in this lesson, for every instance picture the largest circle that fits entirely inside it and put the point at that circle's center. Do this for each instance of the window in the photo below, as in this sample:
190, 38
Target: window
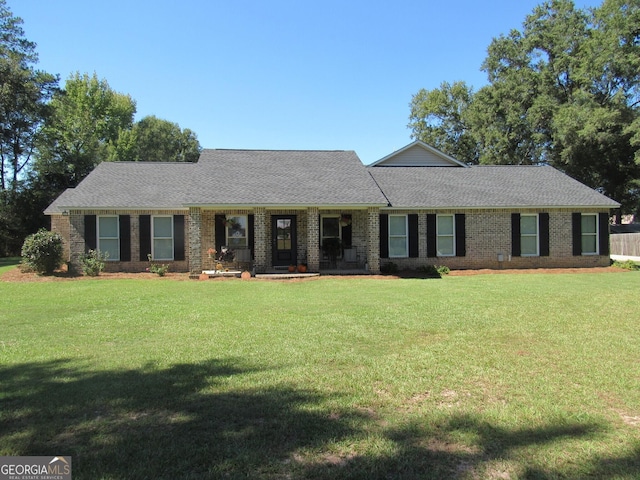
529, 235
398, 238
445, 236
589, 234
109, 237
330, 228
162, 233
236, 229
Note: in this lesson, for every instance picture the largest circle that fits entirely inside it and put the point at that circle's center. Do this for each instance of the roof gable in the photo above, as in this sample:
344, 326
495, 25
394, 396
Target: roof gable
283, 177
418, 154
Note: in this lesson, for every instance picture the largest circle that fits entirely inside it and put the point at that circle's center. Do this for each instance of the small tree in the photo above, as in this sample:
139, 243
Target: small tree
42, 251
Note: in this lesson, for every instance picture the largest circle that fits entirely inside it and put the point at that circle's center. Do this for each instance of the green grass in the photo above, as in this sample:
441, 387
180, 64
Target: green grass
8, 262
487, 376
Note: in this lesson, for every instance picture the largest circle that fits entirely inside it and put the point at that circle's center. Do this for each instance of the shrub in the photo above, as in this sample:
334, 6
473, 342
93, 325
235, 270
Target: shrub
159, 269
93, 262
443, 270
389, 267
42, 251
627, 265
435, 271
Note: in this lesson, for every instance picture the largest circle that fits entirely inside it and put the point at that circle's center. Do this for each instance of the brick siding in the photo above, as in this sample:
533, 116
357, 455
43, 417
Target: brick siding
488, 235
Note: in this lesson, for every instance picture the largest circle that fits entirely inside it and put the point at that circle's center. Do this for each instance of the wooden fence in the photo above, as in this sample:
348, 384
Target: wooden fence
625, 244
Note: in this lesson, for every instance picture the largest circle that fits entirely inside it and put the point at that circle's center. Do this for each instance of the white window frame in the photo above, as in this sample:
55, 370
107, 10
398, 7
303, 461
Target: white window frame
446, 235
100, 237
529, 235
595, 234
405, 236
246, 232
154, 238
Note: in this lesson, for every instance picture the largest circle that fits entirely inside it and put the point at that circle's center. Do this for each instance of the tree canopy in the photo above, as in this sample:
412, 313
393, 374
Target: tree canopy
51, 138
24, 93
87, 120
564, 90
155, 140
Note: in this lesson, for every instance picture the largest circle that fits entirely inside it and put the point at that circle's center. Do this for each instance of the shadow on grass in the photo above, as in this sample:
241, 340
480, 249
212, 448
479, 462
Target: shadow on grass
183, 422
157, 423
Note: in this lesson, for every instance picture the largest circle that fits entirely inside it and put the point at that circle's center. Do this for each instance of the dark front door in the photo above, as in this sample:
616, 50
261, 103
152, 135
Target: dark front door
283, 229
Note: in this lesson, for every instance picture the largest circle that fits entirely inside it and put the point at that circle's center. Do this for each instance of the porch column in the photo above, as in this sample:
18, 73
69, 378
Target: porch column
260, 239
373, 239
195, 240
313, 239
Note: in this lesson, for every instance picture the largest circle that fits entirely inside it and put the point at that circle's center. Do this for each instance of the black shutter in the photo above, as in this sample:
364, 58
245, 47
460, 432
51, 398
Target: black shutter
515, 235
576, 233
413, 235
145, 237
125, 238
90, 233
347, 233
431, 235
603, 231
543, 220
251, 239
461, 244
178, 237
384, 235
221, 234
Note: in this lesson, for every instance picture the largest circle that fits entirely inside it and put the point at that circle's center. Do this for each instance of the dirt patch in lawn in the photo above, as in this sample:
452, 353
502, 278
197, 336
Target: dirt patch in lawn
16, 275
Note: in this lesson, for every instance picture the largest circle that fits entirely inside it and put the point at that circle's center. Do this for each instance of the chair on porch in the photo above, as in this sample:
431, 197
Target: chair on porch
243, 258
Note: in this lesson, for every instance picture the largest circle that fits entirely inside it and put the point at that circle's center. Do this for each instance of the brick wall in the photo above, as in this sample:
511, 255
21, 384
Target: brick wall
76, 241
488, 234
61, 225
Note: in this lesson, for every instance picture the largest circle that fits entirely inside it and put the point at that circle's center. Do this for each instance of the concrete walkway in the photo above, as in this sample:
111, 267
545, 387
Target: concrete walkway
624, 258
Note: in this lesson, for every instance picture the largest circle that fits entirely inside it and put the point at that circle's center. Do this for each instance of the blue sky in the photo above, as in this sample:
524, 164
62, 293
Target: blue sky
275, 74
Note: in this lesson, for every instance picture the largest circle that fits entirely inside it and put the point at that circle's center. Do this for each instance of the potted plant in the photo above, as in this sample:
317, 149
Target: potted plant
302, 267
292, 268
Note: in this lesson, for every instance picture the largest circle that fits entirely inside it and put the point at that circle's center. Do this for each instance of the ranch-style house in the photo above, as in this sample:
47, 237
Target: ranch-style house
264, 210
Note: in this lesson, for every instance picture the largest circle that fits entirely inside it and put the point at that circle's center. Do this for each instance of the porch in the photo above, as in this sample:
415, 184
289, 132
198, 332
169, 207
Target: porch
269, 241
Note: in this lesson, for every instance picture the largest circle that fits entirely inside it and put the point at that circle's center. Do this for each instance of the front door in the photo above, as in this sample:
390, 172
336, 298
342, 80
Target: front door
283, 228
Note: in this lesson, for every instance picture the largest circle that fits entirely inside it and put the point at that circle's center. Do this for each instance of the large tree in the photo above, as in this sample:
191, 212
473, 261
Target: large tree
156, 140
564, 90
24, 92
88, 118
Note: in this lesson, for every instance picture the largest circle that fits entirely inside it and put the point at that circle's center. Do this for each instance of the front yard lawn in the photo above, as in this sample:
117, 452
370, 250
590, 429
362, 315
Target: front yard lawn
486, 376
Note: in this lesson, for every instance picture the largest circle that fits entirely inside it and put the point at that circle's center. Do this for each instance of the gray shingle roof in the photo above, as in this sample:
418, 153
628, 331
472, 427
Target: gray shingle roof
268, 177
319, 178
129, 185
228, 177
484, 186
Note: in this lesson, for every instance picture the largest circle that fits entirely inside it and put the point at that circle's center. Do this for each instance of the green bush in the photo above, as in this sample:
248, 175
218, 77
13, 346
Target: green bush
158, 268
443, 270
42, 251
389, 268
627, 265
435, 271
93, 262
